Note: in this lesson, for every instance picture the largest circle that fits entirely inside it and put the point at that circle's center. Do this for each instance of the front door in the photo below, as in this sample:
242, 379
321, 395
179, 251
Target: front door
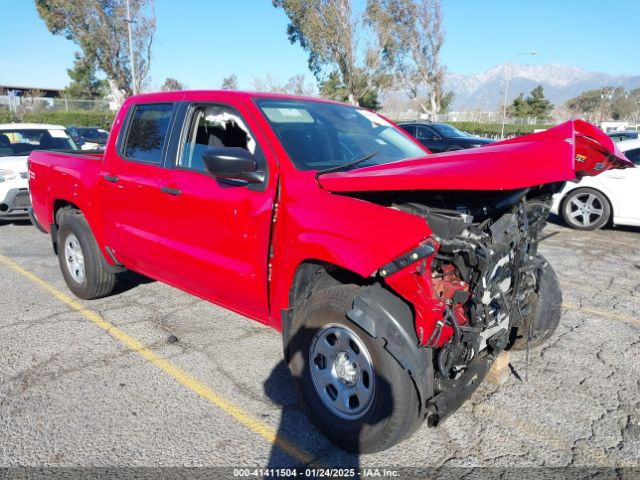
218, 231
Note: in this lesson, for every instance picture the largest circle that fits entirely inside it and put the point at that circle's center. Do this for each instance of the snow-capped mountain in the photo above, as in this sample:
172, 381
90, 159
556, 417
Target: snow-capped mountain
561, 82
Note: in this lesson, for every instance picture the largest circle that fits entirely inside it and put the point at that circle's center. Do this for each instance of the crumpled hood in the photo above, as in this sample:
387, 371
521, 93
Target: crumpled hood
568, 151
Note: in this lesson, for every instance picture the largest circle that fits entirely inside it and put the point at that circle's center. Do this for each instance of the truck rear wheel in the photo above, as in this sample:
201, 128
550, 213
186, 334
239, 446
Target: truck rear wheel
351, 388
81, 262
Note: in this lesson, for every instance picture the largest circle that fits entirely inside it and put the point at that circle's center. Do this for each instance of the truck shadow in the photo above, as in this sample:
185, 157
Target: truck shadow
19, 223
129, 280
297, 430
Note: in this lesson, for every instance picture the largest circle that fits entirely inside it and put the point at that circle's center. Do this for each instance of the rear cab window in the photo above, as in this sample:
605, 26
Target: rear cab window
147, 132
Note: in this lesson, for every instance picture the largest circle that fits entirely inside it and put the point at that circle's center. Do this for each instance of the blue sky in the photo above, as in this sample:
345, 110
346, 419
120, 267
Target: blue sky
199, 42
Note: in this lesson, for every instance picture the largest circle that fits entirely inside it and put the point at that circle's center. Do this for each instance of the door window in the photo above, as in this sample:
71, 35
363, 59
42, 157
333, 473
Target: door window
214, 126
147, 132
410, 129
425, 133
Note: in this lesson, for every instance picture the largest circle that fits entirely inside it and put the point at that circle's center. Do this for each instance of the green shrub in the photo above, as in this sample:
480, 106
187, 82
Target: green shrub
78, 118
6, 116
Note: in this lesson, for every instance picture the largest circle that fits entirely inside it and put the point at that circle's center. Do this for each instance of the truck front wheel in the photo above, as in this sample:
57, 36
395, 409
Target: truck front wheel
351, 388
80, 259
544, 315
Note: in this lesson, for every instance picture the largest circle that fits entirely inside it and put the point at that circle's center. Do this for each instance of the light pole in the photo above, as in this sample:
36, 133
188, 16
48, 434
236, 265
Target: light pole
506, 88
605, 95
133, 66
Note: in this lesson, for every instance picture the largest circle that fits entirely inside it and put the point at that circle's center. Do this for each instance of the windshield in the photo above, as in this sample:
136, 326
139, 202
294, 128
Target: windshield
448, 131
21, 142
318, 135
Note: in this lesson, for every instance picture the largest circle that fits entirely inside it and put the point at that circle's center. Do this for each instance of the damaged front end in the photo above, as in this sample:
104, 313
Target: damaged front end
472, 283
474, 286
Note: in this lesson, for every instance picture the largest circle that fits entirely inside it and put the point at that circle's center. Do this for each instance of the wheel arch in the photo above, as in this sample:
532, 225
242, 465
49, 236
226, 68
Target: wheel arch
60, 204
379, 311
57, 205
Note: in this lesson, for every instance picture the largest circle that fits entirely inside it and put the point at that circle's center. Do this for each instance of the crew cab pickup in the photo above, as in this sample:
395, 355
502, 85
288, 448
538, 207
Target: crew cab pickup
395, 276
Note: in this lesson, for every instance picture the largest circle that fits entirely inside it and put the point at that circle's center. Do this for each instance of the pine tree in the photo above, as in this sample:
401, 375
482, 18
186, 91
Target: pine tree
535, 105
539, 105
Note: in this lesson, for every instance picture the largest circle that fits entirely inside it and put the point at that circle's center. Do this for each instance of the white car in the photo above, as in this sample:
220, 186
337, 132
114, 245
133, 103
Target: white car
612, 196
17, 141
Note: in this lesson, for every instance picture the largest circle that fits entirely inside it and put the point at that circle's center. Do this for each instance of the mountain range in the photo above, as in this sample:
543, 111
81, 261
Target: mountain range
485, 90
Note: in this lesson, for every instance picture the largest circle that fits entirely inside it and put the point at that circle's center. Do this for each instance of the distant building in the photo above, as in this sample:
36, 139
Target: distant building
20, 90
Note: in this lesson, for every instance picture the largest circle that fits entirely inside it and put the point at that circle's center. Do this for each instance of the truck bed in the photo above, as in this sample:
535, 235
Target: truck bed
61, 175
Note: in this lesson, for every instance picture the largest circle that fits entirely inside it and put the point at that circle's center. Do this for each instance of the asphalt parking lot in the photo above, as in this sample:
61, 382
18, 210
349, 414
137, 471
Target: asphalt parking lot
154, 377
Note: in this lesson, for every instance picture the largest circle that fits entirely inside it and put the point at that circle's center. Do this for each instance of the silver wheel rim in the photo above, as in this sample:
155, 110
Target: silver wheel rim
585, 209
74, 258
342, 371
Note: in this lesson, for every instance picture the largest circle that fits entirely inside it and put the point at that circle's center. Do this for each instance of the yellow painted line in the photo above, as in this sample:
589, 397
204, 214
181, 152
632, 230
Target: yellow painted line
603, 313
265, 431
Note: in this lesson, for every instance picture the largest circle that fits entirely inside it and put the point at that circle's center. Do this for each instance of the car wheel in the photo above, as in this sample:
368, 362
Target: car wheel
81, 262
586, 209
544, 313
351, 388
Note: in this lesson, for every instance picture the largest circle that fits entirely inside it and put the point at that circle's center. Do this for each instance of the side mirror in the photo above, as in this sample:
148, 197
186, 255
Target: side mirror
232, 162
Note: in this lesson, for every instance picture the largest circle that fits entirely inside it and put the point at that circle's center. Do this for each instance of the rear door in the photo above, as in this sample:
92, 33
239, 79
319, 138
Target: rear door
130, 188
217, 232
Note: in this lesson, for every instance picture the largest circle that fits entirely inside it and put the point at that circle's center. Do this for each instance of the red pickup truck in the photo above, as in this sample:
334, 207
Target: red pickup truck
395, 276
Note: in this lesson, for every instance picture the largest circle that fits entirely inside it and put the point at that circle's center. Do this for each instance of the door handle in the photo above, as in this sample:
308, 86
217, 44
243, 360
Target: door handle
171, 190
617, 176
110, 178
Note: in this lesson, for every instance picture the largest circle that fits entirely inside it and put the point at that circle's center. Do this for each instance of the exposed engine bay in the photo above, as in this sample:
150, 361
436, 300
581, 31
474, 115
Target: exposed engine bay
485, 273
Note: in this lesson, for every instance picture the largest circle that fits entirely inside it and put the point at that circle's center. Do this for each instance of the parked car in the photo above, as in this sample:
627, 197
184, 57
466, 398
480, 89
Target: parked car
89, 138
613, 196
440, 137
621, 136
390, 272
17, 141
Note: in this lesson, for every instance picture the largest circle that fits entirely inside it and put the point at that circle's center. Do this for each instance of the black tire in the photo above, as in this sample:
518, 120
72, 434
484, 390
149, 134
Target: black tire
98, 281
394, 410
544, 316
586, 219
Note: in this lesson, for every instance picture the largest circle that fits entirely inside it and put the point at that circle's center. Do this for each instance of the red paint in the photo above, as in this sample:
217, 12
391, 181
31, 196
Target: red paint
226, 244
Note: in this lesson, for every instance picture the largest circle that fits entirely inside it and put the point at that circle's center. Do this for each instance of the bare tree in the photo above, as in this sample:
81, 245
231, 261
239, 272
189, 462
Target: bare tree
100, 28
330, 33
411, 35
267, 84
296, 85
230, 83
171, 84
33, 98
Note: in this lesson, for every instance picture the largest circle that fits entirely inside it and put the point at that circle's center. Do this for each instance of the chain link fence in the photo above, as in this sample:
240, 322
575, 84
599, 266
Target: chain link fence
468, 116
18, 106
